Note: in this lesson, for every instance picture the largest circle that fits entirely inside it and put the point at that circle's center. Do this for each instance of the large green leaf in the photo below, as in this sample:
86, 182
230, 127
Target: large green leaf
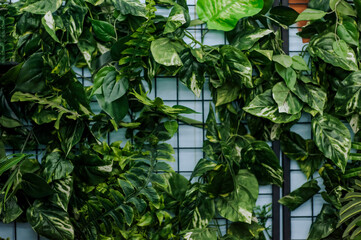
8, 162
200, 234
287, 73
70, 135
103, 30
165, 53
348, 96
50, 221
117, 109
322, 47
264, 106
130, 7
238, 206
244, 231
245, 40
31, 77
224, 14
324, 224
310, 14
10, 210
35, 186
56, 167
236, 66
333, 138
178, 17
73, 19
259, 158
49, 25
299, 196
305, 152
347, 31
43, 6
114, 87
192, 72
287, 101
342, 8
227, 93
313, 96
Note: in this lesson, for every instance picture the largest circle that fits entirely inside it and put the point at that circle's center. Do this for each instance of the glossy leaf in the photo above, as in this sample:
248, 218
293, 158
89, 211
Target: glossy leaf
43, 6
310, 14
322, 47
287, 102
200, 234
56, 167
50, 221
260, 159
288, 74
298, 63
284, 60
70, 135
348, 98
245, 231
264, 106
192, 72
117, 109
227, 93
236, 65
114, 87
165, 53
347, 31
35, 186
305, 152
342, 8
313, 96
130, 7
299, 196
238, 206
103, 30
49, 25
333, 138
325, 223
177, 18
224, 15
245, 40
10, 161
284, 16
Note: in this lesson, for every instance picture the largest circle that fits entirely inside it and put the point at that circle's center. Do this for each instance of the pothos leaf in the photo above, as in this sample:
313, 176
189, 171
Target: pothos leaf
103, 30
325, 223
287, 102
43, 6
56, 167
130, 7
192, 72
333, 138
165, 53
224, 15
264, 106
49, 25
238, 206
299, 196
200, 234
50, 221
177, 18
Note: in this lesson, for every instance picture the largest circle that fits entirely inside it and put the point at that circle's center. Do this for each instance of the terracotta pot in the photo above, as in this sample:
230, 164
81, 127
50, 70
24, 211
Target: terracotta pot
299, 6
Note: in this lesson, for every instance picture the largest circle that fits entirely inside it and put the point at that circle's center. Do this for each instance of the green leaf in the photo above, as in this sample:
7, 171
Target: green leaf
305, 152
56, 167
227, 93
310, 14
171, 126
192, 72
117, 109
63, 192
50, 221
333, 138
128, 213
10, 210
236, 66
224, 15
264, 106
325, 223
31, 76
130, 7
284, 60
348, 96
298, 63
70, 135
322, 47
151, 195
49, 25
35, 186
104, 31
73, 19
114, 87
260, 159
284, 16
203, 166
288, 74
178, 17
200, 234
342, 8
87, 46
245, 231
347, 31
299, 196
245, 40
314, 96
95, 2
165, 53
238, 206
9, 123
287, 101
43, 6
